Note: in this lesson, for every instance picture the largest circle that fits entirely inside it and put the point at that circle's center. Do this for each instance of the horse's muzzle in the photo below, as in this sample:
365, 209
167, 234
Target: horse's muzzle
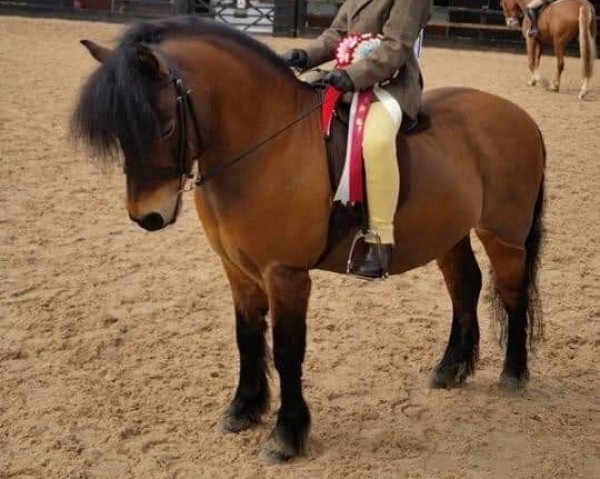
150, 222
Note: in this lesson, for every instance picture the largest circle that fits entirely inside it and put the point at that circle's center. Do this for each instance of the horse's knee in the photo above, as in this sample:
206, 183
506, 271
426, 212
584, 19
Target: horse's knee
249, 298
287, 288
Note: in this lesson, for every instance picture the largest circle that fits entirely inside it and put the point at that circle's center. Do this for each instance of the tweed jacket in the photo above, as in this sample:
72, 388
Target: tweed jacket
399, 21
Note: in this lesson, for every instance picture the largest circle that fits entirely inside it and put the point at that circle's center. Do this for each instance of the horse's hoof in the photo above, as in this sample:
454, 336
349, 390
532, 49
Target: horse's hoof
446, 380
582, 95
274, 452
512, 382
450, 377
553, 88
230, 423
532, 82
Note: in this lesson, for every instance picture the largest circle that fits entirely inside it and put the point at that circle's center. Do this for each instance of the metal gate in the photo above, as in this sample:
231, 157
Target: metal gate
248, 15
278, 17
256, 16
475, 21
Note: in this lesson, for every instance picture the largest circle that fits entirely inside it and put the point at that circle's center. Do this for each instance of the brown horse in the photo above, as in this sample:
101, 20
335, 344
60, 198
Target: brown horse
559, 23
187, 92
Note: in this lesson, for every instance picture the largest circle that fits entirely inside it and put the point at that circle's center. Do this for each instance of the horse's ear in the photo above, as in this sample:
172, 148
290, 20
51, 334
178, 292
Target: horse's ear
98, 52
151, 62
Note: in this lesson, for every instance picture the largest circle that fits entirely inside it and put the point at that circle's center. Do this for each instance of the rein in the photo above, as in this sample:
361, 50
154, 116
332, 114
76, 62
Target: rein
185, 108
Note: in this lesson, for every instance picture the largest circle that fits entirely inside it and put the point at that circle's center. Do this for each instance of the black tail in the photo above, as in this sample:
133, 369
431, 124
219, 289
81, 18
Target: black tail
533, 247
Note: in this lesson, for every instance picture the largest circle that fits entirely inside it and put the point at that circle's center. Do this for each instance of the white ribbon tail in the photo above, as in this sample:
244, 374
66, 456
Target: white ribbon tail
343, 191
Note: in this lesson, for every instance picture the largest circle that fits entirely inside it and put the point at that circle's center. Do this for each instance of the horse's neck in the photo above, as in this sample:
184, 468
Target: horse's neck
252, 105
267, 103
252, 101
274, 131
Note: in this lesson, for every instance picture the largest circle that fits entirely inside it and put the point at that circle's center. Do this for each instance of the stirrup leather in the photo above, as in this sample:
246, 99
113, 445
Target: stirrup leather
350, 266
533, 15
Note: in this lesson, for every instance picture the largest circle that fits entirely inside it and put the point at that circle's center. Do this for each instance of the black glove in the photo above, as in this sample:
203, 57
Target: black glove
339, 79
295, 58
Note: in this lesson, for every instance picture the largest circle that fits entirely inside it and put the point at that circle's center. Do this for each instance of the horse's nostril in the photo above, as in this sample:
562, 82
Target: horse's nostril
152, 222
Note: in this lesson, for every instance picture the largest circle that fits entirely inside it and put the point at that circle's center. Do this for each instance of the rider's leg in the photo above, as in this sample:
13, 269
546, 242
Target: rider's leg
532, 14
383, 184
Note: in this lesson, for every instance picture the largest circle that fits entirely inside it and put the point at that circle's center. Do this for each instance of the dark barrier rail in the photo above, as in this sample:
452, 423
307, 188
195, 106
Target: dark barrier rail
474, 22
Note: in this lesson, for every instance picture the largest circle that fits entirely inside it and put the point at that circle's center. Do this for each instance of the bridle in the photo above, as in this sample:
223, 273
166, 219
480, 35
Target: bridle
185, 109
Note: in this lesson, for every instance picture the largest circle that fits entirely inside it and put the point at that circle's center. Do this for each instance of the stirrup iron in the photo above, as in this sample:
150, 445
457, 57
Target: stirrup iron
361, 235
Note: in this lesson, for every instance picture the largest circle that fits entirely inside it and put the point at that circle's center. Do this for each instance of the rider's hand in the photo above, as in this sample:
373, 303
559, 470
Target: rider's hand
339, 79
295, 58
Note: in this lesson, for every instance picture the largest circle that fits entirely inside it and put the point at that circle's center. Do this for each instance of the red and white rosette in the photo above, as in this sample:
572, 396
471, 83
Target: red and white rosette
355, 47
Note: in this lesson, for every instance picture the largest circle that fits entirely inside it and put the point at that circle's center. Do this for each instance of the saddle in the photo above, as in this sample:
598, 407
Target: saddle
345, 218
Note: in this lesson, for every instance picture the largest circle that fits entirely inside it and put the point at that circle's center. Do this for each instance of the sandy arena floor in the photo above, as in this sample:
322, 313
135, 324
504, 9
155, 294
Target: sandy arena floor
117, 351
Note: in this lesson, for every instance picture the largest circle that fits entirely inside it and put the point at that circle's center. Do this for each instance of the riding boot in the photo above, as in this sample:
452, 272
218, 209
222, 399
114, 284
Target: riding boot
532, 14
376, 264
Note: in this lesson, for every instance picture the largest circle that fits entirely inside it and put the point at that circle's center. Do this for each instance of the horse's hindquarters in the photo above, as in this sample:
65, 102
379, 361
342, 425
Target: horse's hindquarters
496, 154
479, 165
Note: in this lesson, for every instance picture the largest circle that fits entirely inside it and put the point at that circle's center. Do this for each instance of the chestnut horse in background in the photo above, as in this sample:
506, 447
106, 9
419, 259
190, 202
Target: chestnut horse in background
558, 24
187, 93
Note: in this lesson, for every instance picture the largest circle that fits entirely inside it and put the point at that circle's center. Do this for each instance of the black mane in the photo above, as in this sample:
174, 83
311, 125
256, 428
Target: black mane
158, 31
115, 109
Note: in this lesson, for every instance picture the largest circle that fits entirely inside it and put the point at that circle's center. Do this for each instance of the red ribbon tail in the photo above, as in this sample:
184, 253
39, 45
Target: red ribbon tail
356, 159
330, 100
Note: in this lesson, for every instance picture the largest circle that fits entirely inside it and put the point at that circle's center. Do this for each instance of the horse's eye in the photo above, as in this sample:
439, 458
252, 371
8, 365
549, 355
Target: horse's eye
167, 130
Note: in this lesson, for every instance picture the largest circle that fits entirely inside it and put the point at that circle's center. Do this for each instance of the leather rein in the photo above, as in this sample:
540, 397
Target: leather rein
185, 110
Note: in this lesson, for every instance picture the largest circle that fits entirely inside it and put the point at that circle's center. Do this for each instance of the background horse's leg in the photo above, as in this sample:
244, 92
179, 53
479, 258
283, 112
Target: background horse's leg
559, 51
463, 280
288, 290
587, 47
534, 54
251, 398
